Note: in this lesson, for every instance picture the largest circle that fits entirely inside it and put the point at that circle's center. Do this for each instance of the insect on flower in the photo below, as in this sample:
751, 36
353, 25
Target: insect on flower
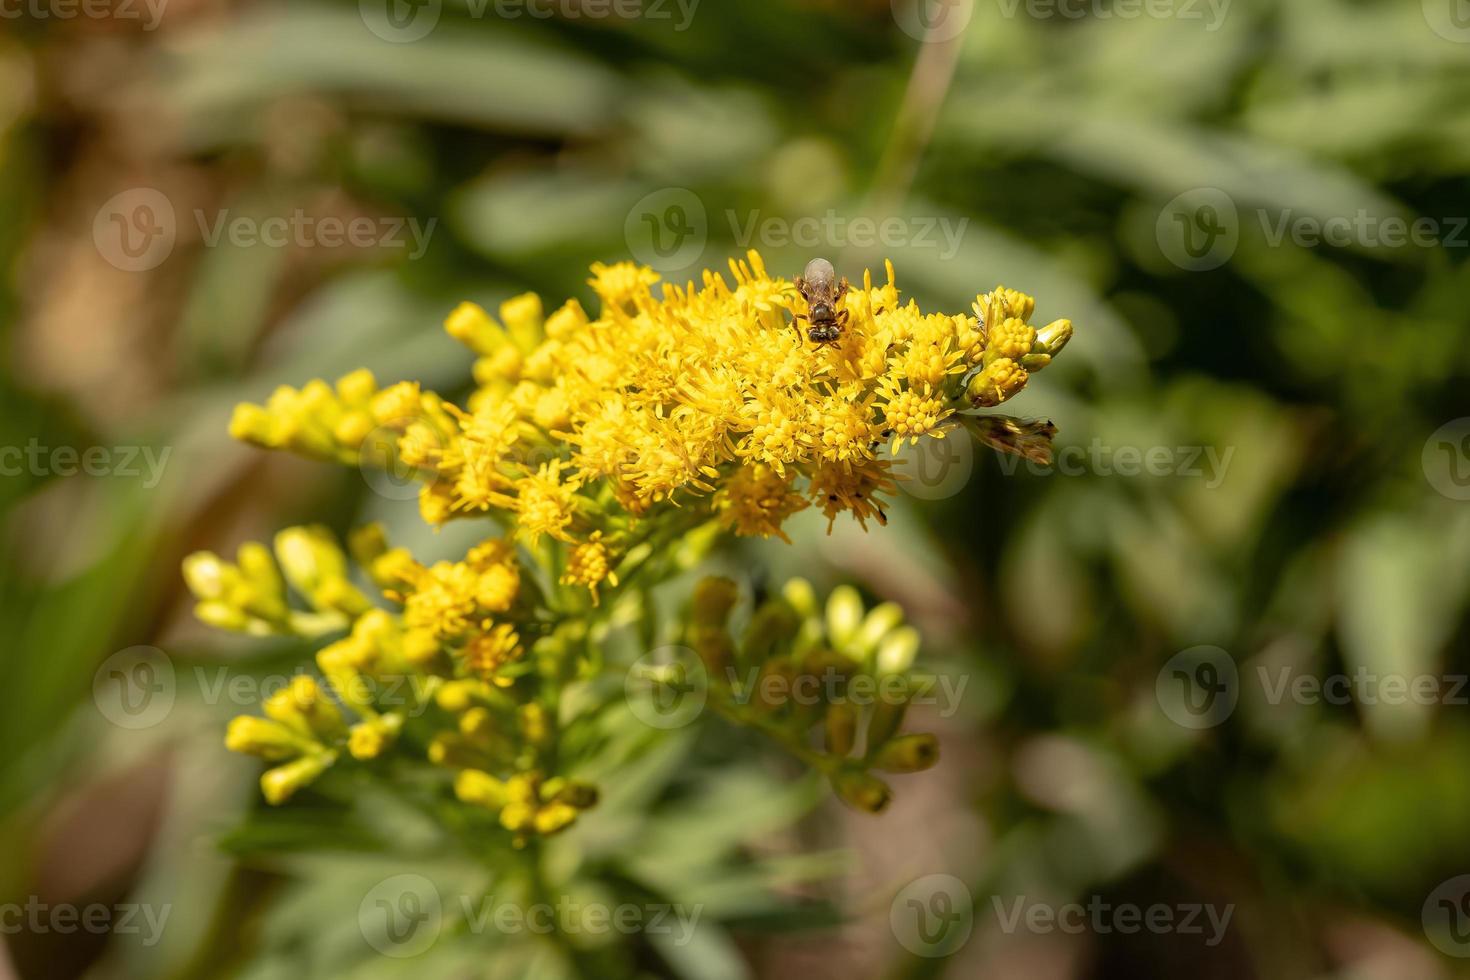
1028, 438
823, 291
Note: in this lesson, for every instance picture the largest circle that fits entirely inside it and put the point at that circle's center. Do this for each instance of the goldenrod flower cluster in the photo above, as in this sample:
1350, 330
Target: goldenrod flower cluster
609, 450
706, 397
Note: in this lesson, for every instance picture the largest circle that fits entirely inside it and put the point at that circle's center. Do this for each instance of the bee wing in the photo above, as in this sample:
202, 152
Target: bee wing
1028, 438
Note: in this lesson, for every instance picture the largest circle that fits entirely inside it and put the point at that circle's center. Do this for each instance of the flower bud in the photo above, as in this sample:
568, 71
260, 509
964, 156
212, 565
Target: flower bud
554, 817
844, 615
398, 405
310, 558
373, 737
255, 425
841, 729
281, 783
455, 751
884, 722
713, 600
477, 723
367, 543
340, 595
321, 712
268, 739
897, 652
1012, 339
1054, 336
908, 753
567, 320
472, 326
517, 816
421, 650
535, 723
774, 684
342, 662
458, 696
770, 632
480, 789
523, 316
580, 795
259, 567
222, 616
1012, 303
715, 649
206, 574
881, 620
357, 388
352, 429
304, 707
802, 596
998, 382
862, 791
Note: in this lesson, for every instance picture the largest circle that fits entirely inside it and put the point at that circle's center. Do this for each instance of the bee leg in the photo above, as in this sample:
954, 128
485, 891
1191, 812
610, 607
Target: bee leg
842, 288
795, 317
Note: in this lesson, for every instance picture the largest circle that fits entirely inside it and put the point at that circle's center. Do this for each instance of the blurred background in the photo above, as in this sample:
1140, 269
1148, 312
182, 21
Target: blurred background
1214, 660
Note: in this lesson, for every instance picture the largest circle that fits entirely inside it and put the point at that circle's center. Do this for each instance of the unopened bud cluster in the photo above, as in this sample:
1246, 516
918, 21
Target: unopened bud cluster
792, 643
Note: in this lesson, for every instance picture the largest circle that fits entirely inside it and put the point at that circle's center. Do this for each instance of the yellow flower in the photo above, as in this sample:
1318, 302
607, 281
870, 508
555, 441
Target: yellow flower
552, 409
491, 650
545, 504
397, 405
1000, 380
756, 501
1006, 303
842, 426
444, 600
1012, 339
567, 320
622, 284
838, 488
499, 585
778, 429
371, 738
911, 414
589, 565
932, 354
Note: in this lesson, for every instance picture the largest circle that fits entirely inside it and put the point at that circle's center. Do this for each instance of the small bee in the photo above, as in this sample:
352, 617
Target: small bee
823, 291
